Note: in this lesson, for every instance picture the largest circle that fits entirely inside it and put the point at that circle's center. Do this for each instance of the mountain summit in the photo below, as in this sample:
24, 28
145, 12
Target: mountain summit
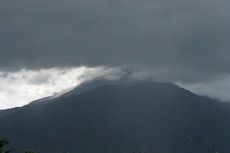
120, 117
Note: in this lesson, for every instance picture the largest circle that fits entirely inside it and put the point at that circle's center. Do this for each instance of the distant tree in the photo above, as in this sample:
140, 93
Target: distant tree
3, 143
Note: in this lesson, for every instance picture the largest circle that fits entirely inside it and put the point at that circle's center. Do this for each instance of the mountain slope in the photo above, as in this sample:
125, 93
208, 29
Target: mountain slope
121, 117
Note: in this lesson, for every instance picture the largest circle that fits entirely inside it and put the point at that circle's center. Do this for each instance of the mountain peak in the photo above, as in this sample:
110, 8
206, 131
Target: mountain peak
122, 83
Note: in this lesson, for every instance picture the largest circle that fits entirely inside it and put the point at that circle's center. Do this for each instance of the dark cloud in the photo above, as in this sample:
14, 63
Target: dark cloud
185, 39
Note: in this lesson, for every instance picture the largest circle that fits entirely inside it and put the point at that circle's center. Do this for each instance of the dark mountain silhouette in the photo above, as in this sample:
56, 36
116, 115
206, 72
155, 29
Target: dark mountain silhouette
120, 117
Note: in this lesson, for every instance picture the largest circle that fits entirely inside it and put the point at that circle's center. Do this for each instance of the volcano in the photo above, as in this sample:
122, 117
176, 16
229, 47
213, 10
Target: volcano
120, 117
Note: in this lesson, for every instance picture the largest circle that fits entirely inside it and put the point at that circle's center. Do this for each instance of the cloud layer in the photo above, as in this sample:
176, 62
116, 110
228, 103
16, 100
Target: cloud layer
164, 40
187, 39
217, 89
21, 87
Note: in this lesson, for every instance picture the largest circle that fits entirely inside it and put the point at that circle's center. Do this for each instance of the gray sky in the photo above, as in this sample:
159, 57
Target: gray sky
171, 40
174, 35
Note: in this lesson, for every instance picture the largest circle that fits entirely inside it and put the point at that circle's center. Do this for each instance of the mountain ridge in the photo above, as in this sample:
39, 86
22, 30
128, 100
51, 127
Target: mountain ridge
151, 117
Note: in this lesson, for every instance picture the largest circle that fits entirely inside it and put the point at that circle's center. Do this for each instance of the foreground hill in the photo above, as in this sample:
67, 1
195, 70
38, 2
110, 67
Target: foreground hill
120, 117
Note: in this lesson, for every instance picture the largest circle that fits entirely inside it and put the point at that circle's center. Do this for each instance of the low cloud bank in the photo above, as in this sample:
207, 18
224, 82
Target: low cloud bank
217, 89
21, 87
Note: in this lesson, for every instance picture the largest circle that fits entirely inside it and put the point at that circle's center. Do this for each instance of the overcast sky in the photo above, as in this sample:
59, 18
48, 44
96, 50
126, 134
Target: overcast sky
168, 40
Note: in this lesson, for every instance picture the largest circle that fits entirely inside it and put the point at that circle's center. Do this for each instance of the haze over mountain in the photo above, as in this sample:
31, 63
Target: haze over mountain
120, 116
161, 40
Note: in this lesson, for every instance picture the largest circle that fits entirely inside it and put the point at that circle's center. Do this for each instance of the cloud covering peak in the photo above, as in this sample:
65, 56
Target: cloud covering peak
186, 41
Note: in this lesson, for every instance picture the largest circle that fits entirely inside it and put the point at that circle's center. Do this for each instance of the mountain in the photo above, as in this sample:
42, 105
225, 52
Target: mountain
120, 117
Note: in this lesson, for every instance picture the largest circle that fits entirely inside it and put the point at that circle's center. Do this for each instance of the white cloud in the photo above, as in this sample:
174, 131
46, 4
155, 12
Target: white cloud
217, 89
21, 87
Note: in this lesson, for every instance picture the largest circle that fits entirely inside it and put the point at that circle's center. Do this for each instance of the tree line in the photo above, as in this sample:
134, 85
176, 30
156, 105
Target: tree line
4, 149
